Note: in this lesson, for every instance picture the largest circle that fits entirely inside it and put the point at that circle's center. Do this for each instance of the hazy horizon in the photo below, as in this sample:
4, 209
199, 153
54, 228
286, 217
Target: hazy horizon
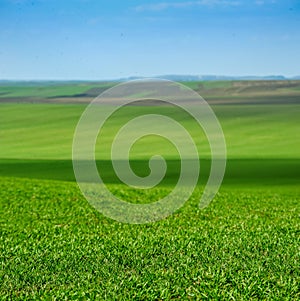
164, 76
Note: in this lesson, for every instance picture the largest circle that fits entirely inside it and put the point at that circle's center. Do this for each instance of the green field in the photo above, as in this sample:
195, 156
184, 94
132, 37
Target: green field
44, 90
243, 246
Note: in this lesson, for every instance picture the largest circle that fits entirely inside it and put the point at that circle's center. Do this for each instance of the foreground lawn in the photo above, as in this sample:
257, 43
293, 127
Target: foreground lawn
54, 245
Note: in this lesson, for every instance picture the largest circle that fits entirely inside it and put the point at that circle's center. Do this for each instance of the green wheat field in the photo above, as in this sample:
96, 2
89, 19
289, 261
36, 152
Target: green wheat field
243, 246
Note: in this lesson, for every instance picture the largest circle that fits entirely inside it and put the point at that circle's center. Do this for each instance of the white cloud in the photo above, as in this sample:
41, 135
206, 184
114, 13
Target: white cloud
263, 2
165, 5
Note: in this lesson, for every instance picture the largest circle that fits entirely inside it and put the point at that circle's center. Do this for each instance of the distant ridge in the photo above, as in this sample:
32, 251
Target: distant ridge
179, 77
173, 77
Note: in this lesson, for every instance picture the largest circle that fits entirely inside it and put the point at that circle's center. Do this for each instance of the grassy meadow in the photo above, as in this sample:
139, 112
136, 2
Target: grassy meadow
243, 246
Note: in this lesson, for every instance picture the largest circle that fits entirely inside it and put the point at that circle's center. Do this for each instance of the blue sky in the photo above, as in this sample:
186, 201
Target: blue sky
94, 39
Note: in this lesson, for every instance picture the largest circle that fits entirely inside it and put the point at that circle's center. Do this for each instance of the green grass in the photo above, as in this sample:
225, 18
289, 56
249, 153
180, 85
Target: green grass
49, 90
253, 172
215, 84
262, 142
243, 246
45, 131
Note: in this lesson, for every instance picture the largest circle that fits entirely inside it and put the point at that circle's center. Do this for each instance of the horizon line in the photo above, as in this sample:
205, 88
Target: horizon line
204, 77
